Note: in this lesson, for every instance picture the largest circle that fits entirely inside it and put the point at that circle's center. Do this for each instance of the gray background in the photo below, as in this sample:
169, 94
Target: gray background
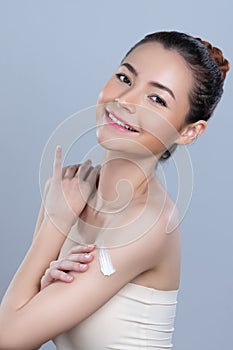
55, 57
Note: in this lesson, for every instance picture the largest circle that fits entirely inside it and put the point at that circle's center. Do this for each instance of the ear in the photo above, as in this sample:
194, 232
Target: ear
191, 132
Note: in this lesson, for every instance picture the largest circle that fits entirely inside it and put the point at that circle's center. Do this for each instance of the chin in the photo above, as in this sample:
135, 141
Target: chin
110, 142
127, 147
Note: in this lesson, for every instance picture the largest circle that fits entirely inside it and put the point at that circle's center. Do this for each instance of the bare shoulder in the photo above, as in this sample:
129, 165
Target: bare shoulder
149, 218
158, 208
164, 242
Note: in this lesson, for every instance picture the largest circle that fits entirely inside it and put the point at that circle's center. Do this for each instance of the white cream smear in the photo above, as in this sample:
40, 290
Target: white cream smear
106, 266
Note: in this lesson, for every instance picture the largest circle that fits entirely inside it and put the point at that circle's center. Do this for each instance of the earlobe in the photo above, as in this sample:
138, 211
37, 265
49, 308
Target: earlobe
191, 132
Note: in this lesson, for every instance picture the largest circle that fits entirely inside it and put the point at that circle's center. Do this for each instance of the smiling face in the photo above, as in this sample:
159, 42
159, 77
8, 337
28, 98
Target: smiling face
145, 102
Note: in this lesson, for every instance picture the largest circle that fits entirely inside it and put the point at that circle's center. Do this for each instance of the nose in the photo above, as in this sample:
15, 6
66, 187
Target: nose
128, 101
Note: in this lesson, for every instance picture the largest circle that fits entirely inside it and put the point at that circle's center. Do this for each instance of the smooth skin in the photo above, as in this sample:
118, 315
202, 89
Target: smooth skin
153, 260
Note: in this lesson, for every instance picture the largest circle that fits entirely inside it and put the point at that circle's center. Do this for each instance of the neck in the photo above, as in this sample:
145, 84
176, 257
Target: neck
122, 178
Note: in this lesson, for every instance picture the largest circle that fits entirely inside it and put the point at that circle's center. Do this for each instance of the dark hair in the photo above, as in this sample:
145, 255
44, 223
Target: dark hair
209, 69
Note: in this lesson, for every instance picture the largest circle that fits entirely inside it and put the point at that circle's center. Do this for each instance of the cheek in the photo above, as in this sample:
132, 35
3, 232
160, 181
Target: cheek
159, 133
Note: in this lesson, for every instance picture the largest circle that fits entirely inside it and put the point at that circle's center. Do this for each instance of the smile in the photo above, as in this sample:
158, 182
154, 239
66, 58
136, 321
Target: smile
114, 121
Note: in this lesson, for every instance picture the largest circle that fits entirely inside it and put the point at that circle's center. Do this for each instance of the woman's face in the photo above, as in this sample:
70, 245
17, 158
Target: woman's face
145, 102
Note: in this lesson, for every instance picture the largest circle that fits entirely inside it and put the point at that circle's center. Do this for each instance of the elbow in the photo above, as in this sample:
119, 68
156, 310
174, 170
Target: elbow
9, 341
12, 342
7, 344
6, 341
6, 334
15, 337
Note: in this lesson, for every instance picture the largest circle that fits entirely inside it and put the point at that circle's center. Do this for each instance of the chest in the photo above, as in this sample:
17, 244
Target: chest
112, 229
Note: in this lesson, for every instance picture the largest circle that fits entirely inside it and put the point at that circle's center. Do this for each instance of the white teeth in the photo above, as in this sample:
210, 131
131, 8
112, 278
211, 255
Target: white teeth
115, 120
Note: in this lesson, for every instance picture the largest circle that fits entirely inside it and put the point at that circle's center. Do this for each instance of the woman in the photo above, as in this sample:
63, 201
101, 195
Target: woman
162, 95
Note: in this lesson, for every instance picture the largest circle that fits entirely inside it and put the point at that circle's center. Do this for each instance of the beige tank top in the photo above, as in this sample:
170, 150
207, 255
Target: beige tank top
137, 317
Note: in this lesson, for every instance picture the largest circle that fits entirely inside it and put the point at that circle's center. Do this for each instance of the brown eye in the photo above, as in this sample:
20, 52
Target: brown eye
159, 100
123, 78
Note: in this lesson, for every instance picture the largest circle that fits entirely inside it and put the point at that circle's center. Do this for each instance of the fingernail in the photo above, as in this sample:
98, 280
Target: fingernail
83, 266
87, 256
69, 278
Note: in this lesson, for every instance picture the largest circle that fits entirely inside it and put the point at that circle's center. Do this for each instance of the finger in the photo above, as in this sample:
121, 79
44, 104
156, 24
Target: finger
44, 282
68, 265
57, 169
83, 169
64, 170
46, 279
92, 175
60, 275
82, 258
71, 171
53, 264
81, 249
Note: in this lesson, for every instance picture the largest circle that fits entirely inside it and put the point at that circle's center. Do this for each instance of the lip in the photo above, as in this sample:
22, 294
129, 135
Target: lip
107, 111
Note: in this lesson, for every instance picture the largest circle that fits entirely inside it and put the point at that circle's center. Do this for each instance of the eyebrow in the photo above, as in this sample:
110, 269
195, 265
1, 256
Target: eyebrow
130, 68
153, 83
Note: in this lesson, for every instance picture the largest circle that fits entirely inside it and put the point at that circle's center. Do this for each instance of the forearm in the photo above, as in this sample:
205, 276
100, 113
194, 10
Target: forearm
26, 282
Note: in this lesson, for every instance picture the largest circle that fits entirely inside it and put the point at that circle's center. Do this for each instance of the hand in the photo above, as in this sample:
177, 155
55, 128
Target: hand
69, 191
77, 260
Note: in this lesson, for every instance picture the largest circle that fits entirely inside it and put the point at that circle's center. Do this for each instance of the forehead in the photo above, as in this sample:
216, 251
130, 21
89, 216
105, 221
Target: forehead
155, 63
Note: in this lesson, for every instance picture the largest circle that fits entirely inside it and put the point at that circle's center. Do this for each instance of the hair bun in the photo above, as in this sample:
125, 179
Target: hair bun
218, 57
